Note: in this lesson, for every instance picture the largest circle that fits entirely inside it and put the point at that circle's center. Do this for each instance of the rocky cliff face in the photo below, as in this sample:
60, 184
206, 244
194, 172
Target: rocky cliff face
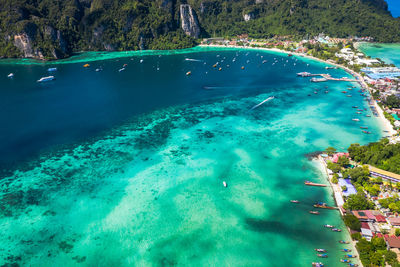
189, 22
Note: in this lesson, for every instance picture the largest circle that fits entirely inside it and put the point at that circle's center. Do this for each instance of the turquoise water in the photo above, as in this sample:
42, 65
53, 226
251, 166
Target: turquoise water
389, 53
127, 168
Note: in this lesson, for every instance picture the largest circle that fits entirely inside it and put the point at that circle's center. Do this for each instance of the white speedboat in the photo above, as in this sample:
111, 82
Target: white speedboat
120, 70
11, 75
355, 119
51, 69
46, 79
225, 184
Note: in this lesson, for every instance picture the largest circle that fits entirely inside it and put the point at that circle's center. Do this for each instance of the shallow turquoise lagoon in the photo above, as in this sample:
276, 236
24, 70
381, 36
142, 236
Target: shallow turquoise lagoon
126, 168
390, 53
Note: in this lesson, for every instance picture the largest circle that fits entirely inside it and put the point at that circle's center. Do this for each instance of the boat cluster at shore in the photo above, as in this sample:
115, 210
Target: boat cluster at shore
321, 252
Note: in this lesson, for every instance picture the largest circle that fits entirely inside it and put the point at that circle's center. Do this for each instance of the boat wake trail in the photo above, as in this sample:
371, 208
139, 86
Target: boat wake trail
266, 100
195, 60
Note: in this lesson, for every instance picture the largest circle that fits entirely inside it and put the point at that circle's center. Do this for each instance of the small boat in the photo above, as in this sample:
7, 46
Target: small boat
120, 70
86, 66
322, 255
188, 73
11, 75
141, 61
363, 127
344, 92
320, 250
304, 74
329, 226
326, 91
336, 230
125, 65
46, 79
225, 184
315, 92
289, 55
242, 68
366, 132
359, 109
350, 256
323, 206
346, 250
343, 242
345, 260
352, 264
358, 112
354, 106
368, 115
220, 69
355, 119
314, 212
98, 69
51, 69
295, 201
264, 61
349, 95
314, 184
317, 264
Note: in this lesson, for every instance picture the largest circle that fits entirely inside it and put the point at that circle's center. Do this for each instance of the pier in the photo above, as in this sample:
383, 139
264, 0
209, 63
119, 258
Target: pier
326, 77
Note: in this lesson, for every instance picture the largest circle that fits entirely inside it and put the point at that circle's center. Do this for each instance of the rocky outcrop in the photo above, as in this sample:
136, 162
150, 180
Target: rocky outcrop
24, 43
248, 16
189, 22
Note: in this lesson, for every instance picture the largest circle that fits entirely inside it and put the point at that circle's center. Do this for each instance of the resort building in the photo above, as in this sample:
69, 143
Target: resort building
394, 221
375, 172
366, 233
382, 73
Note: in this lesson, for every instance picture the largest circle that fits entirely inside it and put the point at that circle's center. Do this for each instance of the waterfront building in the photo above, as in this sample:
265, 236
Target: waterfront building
375, 172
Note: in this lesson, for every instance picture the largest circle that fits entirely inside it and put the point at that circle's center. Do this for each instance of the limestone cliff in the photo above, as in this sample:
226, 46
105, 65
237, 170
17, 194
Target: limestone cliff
189, 22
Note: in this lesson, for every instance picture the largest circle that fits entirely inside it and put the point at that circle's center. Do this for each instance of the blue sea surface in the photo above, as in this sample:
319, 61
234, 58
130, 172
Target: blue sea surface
126, 168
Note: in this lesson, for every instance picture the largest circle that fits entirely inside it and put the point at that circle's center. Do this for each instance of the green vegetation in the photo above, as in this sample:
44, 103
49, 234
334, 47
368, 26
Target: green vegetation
358, 202
379, 154
352, 222
392, 101
374, 253
56, 28
392, 203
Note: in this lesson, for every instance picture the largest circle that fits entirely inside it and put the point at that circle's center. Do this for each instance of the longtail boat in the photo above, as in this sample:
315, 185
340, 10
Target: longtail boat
314, 184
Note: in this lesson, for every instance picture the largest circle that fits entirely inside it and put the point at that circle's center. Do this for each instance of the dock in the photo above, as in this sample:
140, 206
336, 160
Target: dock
326, 77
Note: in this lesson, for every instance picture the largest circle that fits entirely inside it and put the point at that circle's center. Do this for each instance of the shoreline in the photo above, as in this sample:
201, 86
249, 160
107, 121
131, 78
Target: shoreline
384, 123
336, 191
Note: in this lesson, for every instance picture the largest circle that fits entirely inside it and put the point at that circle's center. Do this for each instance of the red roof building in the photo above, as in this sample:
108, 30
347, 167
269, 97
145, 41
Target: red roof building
380, 218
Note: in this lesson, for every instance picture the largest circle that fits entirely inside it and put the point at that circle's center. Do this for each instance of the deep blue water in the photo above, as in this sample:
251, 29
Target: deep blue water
81, 103
394, 7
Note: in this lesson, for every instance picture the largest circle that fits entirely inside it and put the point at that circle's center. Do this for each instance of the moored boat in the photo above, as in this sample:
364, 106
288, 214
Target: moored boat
345, 260
320, 250
354, 106
366, 132
314, 212
352, 264
46, 79
336, 230
328, 226
363, 127
346, 250
188, 73
350, 256
323, 206
317, 264
295, 201
86, 66
304, 74
51, 69
314, 184
322, 255
355, 119
343, 242
11, 75
225, 184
